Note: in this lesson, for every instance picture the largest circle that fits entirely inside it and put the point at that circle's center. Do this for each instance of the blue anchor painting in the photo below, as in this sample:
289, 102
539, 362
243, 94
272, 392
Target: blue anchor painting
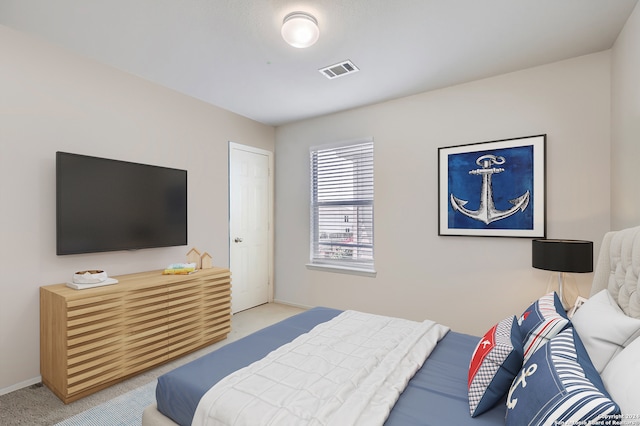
515, 176
487, 212
502, 194
493, 188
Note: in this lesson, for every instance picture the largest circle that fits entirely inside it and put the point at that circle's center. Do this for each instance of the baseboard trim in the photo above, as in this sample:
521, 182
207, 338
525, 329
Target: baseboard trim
295, 305
21, 385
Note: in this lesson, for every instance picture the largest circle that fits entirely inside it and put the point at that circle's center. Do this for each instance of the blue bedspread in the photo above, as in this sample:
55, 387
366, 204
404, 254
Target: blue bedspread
436, 395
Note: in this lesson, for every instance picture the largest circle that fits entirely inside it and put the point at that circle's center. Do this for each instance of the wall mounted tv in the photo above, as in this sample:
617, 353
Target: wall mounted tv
108, 205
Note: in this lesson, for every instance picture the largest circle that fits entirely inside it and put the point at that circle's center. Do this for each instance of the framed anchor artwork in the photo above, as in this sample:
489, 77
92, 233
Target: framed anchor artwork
493, 189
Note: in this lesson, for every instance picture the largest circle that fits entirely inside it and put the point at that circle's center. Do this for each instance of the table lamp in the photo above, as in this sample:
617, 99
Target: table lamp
563, 256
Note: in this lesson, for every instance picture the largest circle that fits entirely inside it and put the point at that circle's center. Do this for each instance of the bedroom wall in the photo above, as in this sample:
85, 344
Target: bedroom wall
54, 100
467, 283
625, 125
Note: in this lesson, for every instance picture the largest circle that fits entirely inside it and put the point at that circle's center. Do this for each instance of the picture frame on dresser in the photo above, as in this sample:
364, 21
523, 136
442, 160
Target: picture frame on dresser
493, 189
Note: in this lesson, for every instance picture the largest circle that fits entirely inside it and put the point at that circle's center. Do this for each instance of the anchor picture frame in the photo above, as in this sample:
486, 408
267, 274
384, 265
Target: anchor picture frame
493, 189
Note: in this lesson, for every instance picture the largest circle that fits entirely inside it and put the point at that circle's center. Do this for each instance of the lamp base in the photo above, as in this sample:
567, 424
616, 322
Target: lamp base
566, 287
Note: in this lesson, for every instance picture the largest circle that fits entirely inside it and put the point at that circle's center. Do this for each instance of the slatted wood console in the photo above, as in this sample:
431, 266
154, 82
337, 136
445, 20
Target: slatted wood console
91, 339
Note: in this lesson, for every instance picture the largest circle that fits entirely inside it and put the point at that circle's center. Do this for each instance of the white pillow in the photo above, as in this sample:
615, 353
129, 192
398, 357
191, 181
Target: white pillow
604, 329
621, 378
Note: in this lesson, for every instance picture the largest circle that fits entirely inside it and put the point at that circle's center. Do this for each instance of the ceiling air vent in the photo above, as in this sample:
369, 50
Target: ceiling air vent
338, 70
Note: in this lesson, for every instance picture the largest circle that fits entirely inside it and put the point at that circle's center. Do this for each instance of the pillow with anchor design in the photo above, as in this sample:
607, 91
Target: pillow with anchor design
540, 322
494, 363
558, 385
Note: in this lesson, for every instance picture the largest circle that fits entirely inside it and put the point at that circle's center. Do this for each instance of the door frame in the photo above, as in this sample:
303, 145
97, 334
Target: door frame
270, 217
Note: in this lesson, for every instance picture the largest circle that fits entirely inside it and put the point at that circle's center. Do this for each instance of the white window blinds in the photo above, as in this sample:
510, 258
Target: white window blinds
342, 205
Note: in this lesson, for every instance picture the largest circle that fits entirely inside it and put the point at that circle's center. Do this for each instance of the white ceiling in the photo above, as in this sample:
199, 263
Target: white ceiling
230, 53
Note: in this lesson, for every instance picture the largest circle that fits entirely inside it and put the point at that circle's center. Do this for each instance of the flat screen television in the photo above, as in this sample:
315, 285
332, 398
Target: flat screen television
108, 205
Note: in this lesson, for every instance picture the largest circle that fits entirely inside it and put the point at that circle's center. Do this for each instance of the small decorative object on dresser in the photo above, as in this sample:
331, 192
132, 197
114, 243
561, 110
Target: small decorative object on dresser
206, 261
89, 279
193, 256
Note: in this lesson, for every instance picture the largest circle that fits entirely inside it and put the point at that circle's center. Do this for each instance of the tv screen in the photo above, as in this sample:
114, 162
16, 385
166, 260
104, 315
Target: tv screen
108, 205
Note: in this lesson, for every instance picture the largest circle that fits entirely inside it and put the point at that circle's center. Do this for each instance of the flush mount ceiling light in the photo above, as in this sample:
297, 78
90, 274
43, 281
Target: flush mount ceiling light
300, 29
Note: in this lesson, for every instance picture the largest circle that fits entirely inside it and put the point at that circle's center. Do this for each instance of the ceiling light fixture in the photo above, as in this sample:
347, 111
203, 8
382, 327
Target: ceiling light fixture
300, 29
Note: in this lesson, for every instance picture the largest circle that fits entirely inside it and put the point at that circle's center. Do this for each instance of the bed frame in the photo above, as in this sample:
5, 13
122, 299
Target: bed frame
616, 269
152, 417
619, 257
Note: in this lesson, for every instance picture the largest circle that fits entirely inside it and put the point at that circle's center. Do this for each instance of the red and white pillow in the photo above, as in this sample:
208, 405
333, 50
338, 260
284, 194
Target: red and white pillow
495, 362
503, 350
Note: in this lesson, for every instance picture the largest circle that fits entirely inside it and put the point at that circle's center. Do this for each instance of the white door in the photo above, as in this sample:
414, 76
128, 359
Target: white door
250, 201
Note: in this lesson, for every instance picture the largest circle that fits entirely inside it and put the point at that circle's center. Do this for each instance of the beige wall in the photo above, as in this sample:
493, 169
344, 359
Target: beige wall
467, 283
56, 101
625, 126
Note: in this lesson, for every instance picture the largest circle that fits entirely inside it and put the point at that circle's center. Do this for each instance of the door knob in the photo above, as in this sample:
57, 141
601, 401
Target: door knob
238, 240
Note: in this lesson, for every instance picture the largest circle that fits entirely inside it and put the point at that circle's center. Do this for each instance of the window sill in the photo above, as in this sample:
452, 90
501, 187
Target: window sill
341, 269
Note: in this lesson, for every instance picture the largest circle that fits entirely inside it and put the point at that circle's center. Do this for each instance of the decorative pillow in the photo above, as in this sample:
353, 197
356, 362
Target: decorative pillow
540, 322
604, 329
558, 385
495, 362
621, 377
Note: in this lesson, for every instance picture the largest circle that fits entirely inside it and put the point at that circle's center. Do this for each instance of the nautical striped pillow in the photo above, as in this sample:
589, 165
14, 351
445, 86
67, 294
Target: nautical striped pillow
559, 385
540, 322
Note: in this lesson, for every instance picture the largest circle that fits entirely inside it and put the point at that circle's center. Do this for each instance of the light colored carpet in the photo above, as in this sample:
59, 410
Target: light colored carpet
38, 406
125, 410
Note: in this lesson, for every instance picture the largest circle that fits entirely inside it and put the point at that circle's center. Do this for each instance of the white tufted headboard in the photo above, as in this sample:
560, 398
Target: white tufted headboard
618, 269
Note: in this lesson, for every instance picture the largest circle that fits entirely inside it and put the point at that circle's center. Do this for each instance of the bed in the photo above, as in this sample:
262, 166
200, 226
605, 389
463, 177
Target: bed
536, 367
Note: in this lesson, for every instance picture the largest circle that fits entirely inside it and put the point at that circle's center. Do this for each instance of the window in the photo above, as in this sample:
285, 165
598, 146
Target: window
342, 205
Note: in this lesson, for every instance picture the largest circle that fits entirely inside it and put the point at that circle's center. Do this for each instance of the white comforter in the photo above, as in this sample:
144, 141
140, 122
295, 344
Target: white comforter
347, 371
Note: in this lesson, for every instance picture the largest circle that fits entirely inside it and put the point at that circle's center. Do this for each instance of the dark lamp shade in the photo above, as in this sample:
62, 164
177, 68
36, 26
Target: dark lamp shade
562, 255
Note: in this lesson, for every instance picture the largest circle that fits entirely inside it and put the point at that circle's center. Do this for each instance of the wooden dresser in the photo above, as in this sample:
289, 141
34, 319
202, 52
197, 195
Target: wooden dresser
93, 338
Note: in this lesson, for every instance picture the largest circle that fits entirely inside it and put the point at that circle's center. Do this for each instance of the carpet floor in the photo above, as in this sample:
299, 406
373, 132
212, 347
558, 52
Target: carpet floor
37, 406
125, 410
